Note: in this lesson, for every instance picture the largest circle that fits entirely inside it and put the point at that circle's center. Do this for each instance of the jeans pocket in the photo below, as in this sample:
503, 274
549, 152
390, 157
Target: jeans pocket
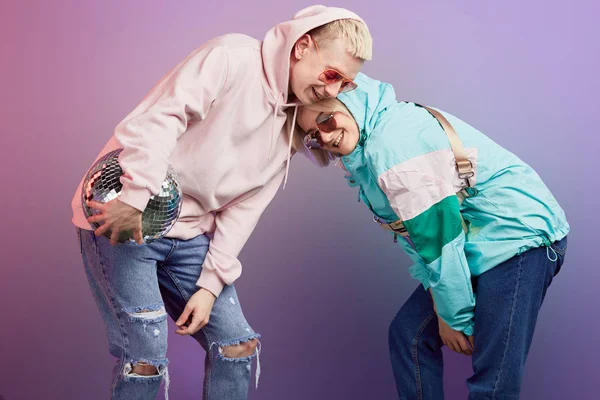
560, 248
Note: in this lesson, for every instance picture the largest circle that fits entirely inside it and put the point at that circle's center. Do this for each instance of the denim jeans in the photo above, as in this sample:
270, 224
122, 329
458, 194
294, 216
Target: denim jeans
509, 297
135, 286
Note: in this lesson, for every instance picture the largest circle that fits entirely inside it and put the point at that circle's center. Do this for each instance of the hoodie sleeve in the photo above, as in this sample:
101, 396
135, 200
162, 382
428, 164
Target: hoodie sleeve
233, 228
149, 134
430, 211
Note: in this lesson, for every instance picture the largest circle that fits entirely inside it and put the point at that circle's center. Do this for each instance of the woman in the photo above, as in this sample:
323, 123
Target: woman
477, 221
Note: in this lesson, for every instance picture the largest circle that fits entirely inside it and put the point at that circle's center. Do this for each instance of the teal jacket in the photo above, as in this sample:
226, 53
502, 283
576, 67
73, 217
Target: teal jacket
404, 168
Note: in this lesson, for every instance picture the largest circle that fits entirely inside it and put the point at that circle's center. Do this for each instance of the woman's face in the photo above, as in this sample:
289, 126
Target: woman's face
341, 140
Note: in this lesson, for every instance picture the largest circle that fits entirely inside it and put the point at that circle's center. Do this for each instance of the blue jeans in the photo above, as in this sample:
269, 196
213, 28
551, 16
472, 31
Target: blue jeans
509, 297
135, 286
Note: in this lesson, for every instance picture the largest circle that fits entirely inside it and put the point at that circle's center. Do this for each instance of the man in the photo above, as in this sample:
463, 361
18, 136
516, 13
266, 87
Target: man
218, 119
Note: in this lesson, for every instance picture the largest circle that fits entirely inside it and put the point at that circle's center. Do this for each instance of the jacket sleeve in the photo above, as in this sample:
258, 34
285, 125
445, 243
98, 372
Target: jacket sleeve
430, 211
418, 270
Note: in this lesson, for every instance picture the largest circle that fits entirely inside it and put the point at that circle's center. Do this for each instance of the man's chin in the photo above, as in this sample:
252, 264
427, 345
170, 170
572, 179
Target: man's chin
306, 101
311, 96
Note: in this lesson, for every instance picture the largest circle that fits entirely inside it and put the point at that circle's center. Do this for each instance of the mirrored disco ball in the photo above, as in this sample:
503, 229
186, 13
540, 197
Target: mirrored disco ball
102, 184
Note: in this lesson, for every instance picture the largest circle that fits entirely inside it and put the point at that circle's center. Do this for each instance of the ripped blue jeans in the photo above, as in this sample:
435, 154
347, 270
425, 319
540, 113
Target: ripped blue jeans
135, 286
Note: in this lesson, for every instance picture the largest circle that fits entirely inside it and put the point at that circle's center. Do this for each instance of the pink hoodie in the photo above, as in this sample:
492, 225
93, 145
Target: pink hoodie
218, 119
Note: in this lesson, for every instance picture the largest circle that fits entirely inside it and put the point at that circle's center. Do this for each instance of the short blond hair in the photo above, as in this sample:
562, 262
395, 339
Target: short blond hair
318, 157
356, 34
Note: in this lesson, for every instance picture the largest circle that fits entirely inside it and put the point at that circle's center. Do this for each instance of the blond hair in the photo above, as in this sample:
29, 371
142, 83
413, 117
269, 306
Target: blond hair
319, 157
355, 33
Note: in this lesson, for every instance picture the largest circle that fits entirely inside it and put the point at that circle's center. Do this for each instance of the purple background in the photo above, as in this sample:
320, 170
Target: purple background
323, 286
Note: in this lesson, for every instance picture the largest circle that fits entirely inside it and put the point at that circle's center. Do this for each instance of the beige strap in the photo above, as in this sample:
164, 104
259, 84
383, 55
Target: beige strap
399, 228
463, 165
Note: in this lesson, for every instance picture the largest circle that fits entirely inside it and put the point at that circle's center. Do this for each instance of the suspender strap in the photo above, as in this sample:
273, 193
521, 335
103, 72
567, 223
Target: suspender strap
464, 168
463, 165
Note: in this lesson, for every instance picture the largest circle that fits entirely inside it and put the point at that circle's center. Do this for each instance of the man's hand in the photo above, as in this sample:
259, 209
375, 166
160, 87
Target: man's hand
118, 217
196, 313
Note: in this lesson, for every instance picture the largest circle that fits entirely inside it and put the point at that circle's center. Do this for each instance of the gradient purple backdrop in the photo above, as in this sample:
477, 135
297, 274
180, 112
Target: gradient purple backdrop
323, 286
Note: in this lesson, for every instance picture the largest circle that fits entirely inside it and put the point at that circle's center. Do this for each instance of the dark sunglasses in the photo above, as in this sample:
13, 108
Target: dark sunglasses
325, 123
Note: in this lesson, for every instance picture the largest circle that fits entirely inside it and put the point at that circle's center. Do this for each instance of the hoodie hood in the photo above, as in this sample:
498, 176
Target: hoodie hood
276, 50
278, 43
367, 102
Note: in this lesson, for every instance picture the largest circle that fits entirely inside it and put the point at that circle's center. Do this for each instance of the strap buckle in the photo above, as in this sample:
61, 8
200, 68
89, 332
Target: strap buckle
396, 227
465, 171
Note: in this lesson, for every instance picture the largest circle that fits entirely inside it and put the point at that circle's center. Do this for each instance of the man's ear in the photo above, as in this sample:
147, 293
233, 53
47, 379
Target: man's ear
301, 46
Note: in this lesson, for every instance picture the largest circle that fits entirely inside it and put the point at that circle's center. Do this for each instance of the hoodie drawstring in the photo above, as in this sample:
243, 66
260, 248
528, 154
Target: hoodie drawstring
275, 111
287, 165
274, 133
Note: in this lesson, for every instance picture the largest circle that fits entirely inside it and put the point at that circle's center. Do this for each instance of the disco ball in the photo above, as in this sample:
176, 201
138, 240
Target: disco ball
102, 184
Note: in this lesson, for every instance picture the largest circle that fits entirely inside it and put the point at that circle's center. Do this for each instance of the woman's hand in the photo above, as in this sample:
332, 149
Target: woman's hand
455, 340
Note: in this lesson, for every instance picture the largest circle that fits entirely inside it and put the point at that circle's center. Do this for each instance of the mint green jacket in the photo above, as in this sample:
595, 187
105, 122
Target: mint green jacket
404, 168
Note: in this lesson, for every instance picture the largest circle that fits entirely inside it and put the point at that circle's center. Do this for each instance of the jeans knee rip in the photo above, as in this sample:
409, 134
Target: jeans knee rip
247, 359
147, 315
162, 373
